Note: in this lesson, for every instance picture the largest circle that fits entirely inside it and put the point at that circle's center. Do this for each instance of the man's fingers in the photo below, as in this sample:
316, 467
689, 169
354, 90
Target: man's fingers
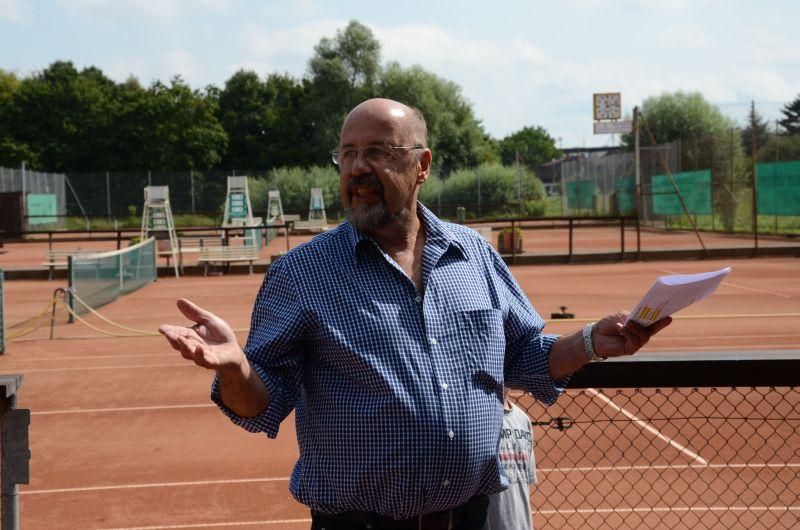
657, 326
192, 311
179, 331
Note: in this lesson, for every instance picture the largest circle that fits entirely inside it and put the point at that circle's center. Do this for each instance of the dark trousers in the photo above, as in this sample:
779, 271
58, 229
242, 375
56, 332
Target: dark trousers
472, 515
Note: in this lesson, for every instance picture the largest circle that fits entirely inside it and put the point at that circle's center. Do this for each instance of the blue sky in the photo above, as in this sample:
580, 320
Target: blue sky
519, 63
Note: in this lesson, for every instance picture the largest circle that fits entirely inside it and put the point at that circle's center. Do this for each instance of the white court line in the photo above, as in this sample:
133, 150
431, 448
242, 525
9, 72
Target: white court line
665, 467
87, 357
734, 336
116, 367
213, 525
649, 428
736, 285
667, 509
157, 485
716, 347
765, 465
119, 409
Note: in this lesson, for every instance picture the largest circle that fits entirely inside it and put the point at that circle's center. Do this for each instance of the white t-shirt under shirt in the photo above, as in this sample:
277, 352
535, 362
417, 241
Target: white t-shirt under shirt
511, 509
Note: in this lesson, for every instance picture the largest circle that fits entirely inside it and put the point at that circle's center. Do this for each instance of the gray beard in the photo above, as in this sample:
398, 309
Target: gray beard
374, 217
369, 219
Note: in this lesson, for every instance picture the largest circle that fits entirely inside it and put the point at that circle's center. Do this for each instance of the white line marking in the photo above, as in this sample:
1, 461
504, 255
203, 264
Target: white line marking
717, 347
119, 409
115, 367
736, 285
157, 485
677, 467
665, 467
649, 428
782, 295
734, 336
213, 525
88, 357
667, 509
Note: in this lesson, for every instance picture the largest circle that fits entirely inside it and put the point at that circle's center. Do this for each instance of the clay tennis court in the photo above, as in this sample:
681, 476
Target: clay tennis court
123, 434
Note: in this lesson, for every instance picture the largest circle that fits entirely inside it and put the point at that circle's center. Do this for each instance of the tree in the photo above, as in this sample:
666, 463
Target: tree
762, 133
12, 151
682, 115
342, 72
242, 112
185, 133
63, 116
454, 134
791, 121
533, 145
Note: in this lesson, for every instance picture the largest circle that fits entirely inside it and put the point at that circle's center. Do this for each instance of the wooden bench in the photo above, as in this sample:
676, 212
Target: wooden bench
226, 256
59, 257
187, 245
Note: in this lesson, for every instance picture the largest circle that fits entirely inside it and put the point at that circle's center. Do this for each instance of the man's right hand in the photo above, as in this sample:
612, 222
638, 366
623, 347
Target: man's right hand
210, 342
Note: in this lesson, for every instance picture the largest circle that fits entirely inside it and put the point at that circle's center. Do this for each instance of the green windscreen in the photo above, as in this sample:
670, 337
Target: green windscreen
580, 194
626, 195
778, 188
2, 316
694, 187
102, 278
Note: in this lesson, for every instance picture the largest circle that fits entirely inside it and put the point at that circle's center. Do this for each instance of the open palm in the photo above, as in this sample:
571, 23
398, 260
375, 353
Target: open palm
210, 342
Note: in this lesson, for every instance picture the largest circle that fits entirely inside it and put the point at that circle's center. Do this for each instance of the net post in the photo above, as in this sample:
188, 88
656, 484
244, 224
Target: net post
69, 299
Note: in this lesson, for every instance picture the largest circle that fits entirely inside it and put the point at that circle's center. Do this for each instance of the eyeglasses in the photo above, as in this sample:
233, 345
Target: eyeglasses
374, 154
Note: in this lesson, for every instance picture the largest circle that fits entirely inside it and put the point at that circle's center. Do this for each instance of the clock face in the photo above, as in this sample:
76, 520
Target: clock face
607, 106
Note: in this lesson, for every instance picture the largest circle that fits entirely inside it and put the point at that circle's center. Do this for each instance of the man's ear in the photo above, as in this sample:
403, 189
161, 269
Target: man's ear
424, 166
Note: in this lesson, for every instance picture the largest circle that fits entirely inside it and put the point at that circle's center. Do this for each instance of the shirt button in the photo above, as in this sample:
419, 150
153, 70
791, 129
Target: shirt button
451, 434
444, 386
434, 341
418, 299
446, 483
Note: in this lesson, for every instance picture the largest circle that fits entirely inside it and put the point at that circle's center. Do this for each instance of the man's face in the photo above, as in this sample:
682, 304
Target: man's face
375, 192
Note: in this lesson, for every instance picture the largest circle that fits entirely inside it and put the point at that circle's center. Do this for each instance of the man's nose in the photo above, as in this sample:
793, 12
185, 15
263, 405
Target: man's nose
360, 163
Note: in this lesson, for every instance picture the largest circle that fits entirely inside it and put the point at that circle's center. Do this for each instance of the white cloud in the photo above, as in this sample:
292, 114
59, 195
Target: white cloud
180, 62
13, 11
154, 11
174, 62
285, 49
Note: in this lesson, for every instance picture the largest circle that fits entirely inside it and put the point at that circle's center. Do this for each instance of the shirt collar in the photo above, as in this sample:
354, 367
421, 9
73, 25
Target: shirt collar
437, 232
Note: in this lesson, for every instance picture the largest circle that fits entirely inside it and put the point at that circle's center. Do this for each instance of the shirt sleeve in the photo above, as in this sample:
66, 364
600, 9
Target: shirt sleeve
274, 349
527, 359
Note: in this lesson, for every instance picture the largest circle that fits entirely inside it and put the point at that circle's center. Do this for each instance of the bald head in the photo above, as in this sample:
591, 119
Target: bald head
408, 121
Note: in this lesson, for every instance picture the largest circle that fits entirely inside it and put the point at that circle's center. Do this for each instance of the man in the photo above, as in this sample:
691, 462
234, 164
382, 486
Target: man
391, 337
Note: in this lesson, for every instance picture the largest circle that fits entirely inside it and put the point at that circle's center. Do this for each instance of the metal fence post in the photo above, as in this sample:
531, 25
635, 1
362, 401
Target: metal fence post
16, 453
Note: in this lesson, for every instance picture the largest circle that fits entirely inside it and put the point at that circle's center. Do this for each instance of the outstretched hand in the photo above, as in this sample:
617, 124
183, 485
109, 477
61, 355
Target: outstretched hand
210, 342
616, 335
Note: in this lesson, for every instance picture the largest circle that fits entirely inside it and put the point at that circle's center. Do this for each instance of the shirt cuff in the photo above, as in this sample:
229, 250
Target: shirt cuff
269, 420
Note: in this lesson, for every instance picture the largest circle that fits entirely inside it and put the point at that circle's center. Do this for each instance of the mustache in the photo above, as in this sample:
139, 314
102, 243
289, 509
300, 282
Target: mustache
365, 180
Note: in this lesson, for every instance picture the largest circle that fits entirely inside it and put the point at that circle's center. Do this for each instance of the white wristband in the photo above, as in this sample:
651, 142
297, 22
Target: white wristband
587, 342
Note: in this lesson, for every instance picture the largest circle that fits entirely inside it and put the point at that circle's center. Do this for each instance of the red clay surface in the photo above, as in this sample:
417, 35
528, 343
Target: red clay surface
123, 434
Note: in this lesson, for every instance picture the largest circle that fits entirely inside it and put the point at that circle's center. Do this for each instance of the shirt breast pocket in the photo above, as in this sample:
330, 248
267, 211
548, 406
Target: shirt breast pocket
480, 343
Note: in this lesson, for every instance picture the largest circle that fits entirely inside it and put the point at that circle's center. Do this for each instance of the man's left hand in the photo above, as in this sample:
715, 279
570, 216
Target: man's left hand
616, 335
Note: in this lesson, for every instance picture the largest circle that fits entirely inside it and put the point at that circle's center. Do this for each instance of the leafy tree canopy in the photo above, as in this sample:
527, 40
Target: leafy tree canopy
531, 146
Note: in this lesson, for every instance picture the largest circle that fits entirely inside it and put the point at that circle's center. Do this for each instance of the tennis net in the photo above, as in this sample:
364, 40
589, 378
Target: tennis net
99, 279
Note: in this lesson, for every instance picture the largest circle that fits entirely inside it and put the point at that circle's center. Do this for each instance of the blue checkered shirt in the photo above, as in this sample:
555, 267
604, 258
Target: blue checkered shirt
397, 396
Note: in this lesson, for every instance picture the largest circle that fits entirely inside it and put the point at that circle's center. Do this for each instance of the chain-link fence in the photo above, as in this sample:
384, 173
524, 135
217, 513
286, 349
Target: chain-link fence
659, 443
711, 183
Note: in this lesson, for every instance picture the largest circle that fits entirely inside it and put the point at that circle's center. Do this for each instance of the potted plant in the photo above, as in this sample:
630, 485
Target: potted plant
509, 241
